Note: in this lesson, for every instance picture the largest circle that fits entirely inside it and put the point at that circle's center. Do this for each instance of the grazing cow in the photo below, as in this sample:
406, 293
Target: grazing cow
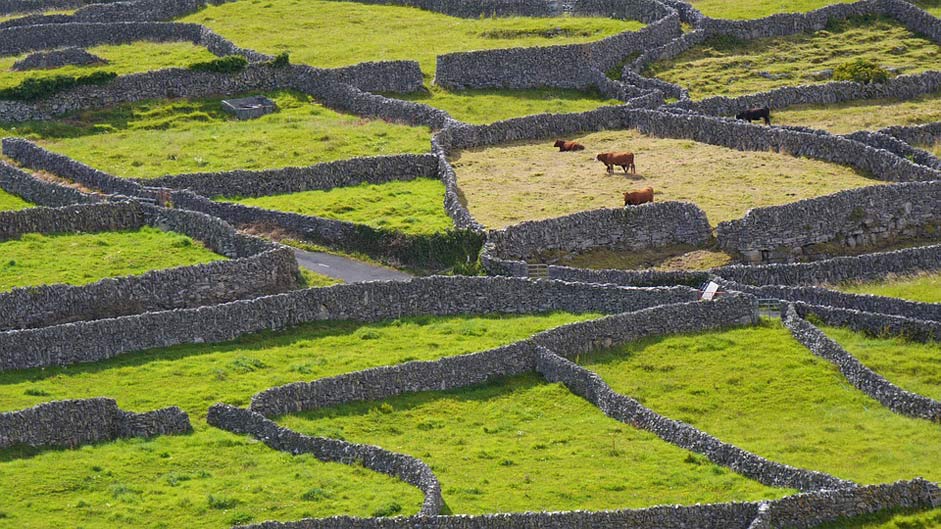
638, 197
755, 113
623, 159
565, 146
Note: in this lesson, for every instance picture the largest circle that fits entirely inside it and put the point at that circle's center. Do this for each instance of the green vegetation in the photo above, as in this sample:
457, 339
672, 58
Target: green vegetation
759, 389
227, 64
860, 71
414, 206
348, 32
313, 279
924, 287
891, 520
208, 480
168, 480
122, 59
36, 88
730, 67
9, 202
150, 139
674, 257
911, 365
487, 106
758, 8
511, 183
77, 259
872, 114
11, 16
522, 444
931, 6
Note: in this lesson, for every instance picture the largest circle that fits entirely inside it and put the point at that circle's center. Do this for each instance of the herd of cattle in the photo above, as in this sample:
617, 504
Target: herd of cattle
625, 159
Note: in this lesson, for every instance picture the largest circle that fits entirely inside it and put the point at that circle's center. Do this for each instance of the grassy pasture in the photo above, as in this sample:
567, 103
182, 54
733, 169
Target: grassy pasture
166, 481
154, 138
415, 206
122, 59
676, 257
350, 32
891, 520
843, 118
761, 390
730, 67
487, 106
522, 444
911, 365
511, 183
11, 16
924, 287
10, 202
762, 8
78, 259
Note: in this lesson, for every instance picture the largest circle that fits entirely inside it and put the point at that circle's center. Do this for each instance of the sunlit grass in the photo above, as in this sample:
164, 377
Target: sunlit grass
870, 114
924, 287
414, 206
77, 259
758, 9
9, 202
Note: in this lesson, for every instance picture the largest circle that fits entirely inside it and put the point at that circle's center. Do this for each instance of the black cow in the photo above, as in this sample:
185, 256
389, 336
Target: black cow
755, 113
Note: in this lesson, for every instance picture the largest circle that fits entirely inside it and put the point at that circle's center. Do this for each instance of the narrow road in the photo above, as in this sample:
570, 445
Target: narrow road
347, 270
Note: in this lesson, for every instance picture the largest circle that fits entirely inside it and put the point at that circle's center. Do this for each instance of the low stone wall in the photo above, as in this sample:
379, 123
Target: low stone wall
56, 59
629, 228
406, 468
70, 423
869, 216
321, 176
927, 134
454, 202
837, 270
636, 278
256, 267
10, 7
92, 341
897, 147
832, 298
40, 192
872, 324
861, 377
566, 66
30, 155
800, 511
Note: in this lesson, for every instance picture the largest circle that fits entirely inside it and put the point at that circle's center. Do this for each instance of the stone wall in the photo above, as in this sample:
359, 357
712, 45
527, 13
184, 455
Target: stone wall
256, 267
861, 377
629, 228
896, 146
70, 423
406, 468
91, 341
56, 59
872, 324
321, 176
39, 192
837, 270
925, 135
565, 66
832, 298
819, 227
636, 278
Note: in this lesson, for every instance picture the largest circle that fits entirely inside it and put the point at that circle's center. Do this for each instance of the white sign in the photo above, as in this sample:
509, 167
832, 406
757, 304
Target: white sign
710, 291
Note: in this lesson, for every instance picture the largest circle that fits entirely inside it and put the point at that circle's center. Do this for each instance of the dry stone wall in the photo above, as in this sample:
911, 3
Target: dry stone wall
872, 324
56, 59
70, 423
92, 341
257, 267
861, 377
40, 192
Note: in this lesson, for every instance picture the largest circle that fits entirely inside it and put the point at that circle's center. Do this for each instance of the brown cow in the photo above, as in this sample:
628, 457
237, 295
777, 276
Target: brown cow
623, 159
638, 197
565, 146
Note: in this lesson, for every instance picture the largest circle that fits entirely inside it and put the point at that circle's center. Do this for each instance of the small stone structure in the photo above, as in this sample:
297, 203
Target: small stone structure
249, 107
55, 59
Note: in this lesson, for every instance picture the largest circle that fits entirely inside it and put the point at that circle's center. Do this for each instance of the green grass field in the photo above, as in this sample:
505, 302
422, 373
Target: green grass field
122, 59
762, 8
891, 520
729, 67
77, 259
487, 106
510, 183
10, 202
11, 16
911, 365
415, 206
166, 481
350, 32
167, 137
873, 114
522, 444
924, 287
759, 389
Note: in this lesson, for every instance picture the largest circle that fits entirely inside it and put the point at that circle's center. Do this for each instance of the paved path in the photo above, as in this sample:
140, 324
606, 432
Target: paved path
345, 269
